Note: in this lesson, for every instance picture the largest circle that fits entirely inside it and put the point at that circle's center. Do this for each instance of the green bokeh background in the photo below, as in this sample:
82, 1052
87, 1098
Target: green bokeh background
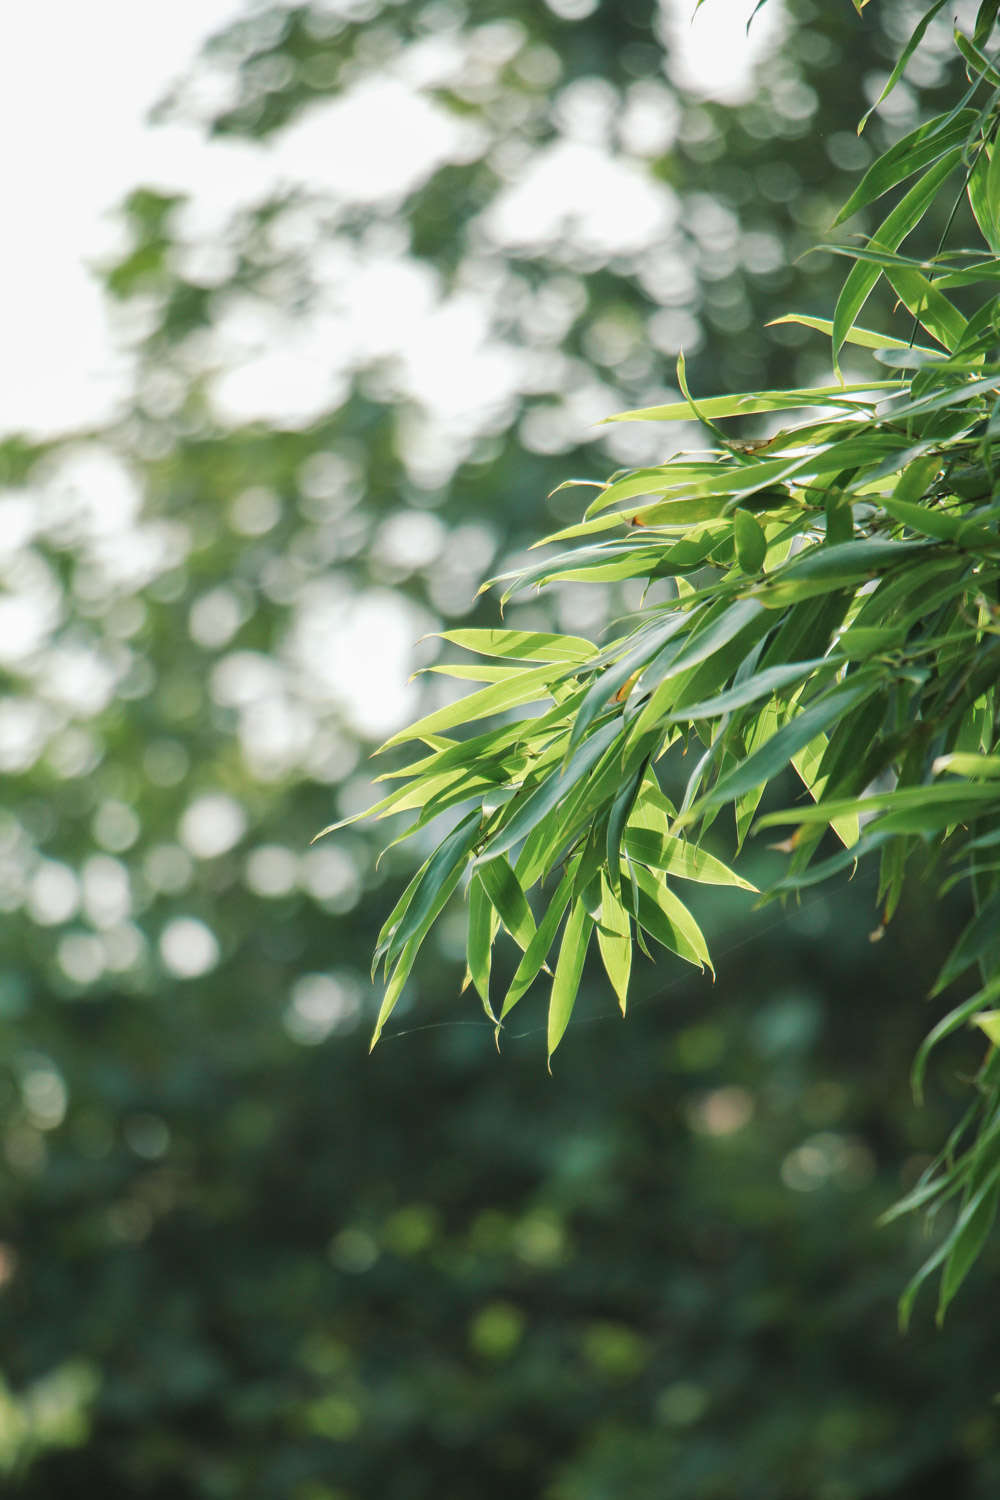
239, 1257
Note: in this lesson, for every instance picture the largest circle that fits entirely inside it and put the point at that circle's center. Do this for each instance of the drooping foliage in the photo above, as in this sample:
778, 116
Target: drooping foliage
831, 608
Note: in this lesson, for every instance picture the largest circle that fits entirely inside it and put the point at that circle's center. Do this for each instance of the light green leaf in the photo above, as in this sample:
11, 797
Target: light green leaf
522, 645
479, 941
504, 890
776, 752
569, 970
538, 949
528, 687
866, 338
917, 149
614, 939
681, 858
666, 918
988, 1022
904, 218
986, 766
751, 543
394, 989
751, 402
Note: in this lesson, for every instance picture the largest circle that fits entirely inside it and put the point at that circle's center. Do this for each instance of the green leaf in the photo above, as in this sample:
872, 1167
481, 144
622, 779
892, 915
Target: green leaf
977, 1207
537, 950
681, 858
602, 693
666, 918
904, 218
751, 543
618, 816
751, 402
979, 64
943, 525
528, 687
974, 1224
944, 1028
479, 941
918, 149
759, 685
439, 878
527, 814
504, 890
522, 645
777, 751
952, 799
614, 939
985, 207
980, 939
821, 569
986, 766
394, 989
929, 306
866, 338
569, 970
900, 68
698, 415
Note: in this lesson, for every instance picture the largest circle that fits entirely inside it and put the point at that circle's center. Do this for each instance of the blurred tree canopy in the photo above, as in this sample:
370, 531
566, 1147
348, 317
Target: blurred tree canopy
239, 1259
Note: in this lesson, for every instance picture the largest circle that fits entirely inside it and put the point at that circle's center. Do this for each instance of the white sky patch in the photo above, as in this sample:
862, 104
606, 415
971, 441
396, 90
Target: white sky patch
379, 140
710, 52
357, 649
78, 82
578, 192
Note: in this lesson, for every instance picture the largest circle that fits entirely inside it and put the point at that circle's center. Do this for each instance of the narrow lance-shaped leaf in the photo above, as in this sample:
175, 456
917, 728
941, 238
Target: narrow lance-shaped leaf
614, 939
569, 970
479, 941
918, 149
538, 948
776, 752
904, 218
505, 892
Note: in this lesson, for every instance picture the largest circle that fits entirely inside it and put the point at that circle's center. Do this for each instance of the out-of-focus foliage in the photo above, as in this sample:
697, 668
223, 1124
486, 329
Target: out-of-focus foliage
239, 1258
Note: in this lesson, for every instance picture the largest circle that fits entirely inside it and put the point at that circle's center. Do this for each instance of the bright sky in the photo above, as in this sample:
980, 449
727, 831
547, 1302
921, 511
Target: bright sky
78, 81
85, 143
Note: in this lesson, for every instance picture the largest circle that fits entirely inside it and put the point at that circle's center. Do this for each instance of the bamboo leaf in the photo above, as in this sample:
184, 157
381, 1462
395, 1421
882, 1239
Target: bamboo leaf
904, 218
505, 892
614, 939
681, 858
666, 918
479, 941
528, 687
394, 989
537, 950
522, 645
752, 402
916, 38
865, 338
777, 751
527, 814
918, 149
751, 543
569, 970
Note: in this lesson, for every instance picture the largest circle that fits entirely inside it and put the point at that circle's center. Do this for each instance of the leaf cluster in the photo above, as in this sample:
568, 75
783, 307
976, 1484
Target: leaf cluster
835, 611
